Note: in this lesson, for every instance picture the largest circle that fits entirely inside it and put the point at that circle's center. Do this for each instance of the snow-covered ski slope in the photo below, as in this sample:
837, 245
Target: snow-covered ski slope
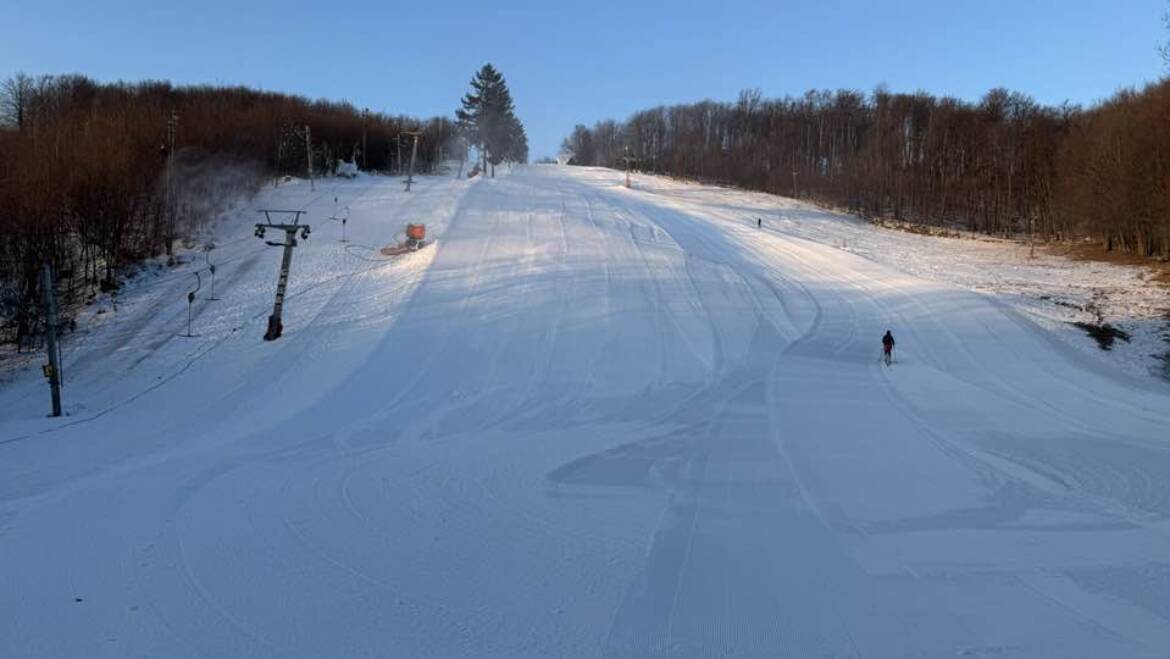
588, 421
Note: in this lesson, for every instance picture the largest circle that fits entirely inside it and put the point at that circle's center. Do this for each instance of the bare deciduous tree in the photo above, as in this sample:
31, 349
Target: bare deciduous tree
81, 184
15, 96
1004, 165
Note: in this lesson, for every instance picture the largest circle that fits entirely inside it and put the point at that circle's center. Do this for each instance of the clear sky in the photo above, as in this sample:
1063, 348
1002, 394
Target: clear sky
578, 62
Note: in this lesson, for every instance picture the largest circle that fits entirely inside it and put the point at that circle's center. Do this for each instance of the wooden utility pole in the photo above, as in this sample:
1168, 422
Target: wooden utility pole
365, 114
172, 128
413, 154
275, 326
399, 160
309, 155
53, 369
1031, 236
279, 159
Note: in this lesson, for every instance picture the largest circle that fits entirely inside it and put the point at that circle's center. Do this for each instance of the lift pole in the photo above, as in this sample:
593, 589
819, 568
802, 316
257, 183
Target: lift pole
275, 326
413, 154
630, 160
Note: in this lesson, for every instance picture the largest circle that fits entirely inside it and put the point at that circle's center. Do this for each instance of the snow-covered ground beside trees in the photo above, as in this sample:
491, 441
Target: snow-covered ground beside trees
594, 421
1054, 291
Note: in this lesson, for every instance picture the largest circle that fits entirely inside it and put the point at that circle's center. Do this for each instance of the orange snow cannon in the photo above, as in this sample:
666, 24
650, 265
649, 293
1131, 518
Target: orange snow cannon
416, 235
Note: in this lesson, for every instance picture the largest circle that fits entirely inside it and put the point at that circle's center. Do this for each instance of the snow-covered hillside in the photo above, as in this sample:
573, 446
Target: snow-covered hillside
587, 421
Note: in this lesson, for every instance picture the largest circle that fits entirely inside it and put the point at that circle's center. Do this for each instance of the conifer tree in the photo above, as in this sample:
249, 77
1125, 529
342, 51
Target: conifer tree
517, 141
487, 119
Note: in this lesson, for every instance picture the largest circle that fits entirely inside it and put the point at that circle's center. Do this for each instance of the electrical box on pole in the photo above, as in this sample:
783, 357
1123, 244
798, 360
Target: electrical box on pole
191, 303
343, 219
275, 325
211, 268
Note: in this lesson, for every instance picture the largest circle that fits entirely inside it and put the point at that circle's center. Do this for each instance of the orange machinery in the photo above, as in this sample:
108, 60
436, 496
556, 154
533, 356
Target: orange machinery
416, 235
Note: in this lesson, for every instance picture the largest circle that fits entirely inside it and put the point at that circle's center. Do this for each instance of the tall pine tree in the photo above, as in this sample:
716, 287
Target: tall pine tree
487, 119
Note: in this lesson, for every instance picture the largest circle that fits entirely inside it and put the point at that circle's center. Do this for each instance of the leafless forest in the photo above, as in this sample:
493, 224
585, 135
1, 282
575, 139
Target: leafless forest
83, 182
1005, 165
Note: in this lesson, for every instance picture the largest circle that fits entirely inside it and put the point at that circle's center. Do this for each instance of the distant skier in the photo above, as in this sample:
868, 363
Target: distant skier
759, 223
888, 347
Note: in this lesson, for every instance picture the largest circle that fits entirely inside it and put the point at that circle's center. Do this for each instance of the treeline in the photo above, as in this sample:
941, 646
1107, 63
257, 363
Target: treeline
1004, 165
83, 165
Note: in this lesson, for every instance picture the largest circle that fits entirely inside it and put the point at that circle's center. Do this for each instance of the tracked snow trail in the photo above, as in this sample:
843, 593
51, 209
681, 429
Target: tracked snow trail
596, 421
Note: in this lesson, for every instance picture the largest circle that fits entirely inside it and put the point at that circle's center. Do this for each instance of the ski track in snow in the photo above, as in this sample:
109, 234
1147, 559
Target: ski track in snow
587, 421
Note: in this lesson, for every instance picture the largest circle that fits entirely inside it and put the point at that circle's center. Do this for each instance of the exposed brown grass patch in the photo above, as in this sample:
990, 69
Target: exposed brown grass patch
1096, 252
916, 228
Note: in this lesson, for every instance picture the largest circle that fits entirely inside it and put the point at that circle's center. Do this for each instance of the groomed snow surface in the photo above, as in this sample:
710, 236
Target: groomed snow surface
587, 421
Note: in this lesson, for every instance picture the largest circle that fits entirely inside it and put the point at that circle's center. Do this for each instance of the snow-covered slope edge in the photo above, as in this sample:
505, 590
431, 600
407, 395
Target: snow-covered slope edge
1053, 291
344, 293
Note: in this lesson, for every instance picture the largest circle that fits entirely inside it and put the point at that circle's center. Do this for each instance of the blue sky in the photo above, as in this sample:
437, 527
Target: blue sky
573, 63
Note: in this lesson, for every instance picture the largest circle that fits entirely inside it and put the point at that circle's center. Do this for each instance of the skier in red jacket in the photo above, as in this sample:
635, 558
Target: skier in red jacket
888, 347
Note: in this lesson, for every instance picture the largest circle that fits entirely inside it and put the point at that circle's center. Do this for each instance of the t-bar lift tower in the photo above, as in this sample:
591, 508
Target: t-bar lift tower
275, 327
413, 154
630, 162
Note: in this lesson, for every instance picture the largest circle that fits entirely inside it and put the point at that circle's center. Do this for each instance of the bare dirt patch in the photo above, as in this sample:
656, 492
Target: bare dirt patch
1160, 270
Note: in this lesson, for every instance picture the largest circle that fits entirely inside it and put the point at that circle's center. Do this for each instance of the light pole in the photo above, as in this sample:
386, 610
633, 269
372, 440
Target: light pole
172, 128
